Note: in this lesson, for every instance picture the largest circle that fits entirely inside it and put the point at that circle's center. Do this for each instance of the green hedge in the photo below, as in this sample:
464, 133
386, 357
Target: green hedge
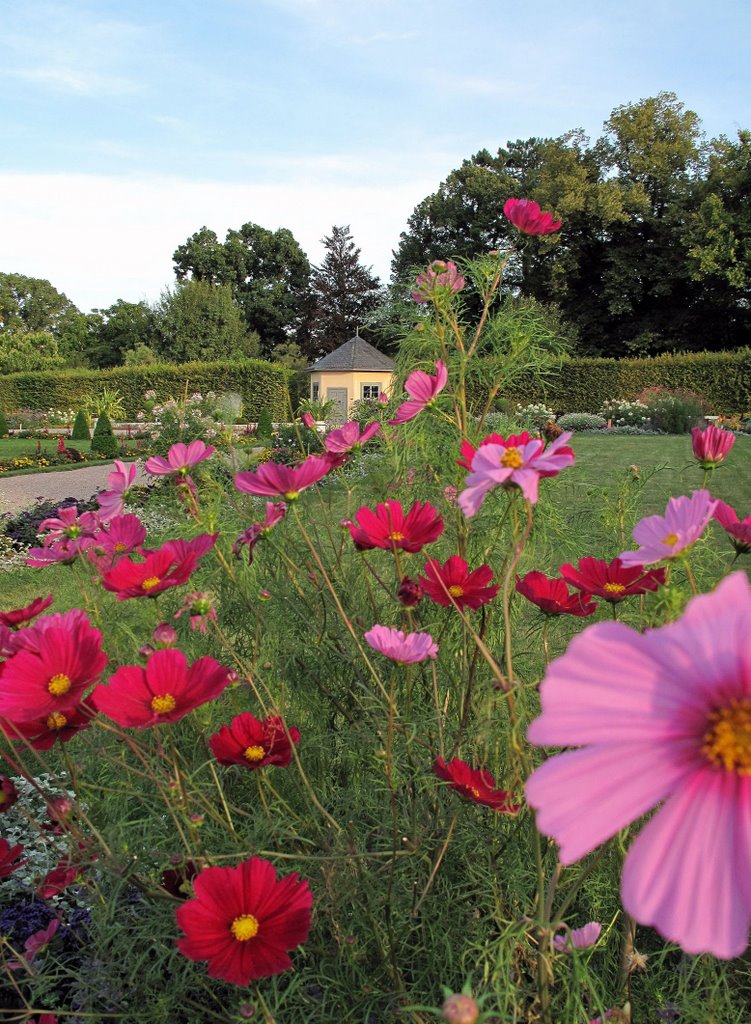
722, 379
262, 385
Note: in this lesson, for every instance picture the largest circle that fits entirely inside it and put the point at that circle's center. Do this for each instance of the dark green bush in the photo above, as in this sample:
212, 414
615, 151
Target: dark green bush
265, 424
81, 430
261, 385
3, 424
104, 443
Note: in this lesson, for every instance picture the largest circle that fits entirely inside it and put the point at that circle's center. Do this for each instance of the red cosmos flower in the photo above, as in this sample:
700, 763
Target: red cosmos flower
475, 784
177, 881
165, 690
22, 615
526, 216
162, 569
611, 581
244, 920
58, 879
52, 677
389, 528
274, 480
453, 583
739, 531
552, 595
422, 389
8, 794
410, 593
348, 437
710, 446
8, 854
254, 744
42, 733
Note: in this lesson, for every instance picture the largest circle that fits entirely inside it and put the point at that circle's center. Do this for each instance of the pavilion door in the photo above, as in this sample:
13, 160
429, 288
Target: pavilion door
339, 397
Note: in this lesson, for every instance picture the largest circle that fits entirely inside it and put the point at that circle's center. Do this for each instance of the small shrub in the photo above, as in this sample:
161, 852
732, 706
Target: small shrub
623, 413
582, 421
104, 443
535, 415
81, 430
265, 426
3, 424
673, 412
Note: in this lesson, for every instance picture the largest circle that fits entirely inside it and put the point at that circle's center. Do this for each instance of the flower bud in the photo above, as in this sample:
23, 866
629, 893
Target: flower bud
410, 593
164, 635
459, 1009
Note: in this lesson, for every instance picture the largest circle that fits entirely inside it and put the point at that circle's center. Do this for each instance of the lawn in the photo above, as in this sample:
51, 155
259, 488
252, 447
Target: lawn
14, 447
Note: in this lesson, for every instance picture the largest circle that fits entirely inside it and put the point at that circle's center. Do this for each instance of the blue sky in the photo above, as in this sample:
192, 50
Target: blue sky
125, 127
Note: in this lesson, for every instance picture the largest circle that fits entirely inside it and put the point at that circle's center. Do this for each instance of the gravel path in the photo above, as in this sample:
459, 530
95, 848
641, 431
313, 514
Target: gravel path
20, 492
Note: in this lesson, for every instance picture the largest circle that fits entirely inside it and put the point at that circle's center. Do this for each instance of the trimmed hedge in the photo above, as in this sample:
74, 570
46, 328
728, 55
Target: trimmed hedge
722, 379
262, 385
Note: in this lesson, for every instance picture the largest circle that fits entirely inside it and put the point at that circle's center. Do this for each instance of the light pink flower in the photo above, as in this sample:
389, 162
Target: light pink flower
577, 938
274, 480
663, 720
404, 647
120, 480
422, 388
522, 465
180, 458
441, 276
666, 536
348, 436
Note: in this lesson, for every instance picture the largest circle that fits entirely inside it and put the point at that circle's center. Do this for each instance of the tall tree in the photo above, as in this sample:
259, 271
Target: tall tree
32, 304
344, 291
267, 272
199, 320
119, 328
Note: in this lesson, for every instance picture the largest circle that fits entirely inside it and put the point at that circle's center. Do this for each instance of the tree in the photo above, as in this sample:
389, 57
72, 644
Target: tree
32, 304
344, 293
121, 327
267, 271
25, 351
200, 320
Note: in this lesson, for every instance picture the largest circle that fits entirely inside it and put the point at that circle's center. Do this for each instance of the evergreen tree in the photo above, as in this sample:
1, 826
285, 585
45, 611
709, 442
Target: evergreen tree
104, 443
81, 427
344, 292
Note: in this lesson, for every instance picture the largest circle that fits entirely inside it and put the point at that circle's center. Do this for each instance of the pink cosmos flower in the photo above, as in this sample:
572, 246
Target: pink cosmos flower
36, 943
507, 465
275, 512
666, 536
347, 437
527, 216
711, 445
578, 938
404, 647
120, 480
662, 719
422, 388
68, 525
441, 277
180, 458
61, 552
308, 421
383, 398
273, 480
161, 569
121, 536
739, 531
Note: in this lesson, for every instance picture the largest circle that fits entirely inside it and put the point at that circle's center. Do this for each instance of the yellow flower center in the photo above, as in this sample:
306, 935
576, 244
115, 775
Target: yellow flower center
56, 720
119, 546
254, 753
150, 582
727, 741
245, 927
475, 792
290, 496
456, 591
614, 588
396, 535
512, 459
59, 684
163, 704
671, 539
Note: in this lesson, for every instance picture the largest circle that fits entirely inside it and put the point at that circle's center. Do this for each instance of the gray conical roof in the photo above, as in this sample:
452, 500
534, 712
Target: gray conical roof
355, 354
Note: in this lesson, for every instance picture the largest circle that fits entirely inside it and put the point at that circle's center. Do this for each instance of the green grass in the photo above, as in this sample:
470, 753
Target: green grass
14, 447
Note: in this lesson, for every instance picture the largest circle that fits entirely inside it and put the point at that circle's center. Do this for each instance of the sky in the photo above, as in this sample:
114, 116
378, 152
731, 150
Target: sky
125, 127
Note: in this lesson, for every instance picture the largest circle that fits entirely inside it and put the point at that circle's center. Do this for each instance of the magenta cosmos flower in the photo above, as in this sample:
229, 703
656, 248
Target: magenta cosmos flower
120, 480
710, 446
389, 528
180, 458
526, 216
666, 536
611, 581
255, 744
166, 690
739, 530
453, 584
275, 512
404, 647
441, 278
272, 480
20, 616
348, 436
663, 718
422, 389
68, 525
506, 465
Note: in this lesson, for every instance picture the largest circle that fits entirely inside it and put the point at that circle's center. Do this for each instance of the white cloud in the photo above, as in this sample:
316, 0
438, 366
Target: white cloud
76, 80
100, 238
